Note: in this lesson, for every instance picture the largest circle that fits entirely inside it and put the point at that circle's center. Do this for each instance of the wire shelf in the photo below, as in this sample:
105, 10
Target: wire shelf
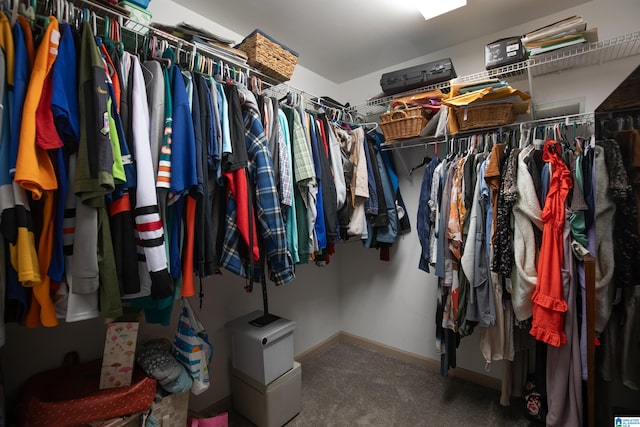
563, 59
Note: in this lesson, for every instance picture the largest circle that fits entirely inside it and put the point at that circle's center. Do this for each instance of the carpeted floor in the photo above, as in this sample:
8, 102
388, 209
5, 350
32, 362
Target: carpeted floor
348, 385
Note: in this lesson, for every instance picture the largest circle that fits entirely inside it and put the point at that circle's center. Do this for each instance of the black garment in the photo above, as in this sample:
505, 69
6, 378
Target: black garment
534, 166
197, 191
329, 196
238, 159
469, 177
205, 236
587, 188
381, 219
201, 134
626, 240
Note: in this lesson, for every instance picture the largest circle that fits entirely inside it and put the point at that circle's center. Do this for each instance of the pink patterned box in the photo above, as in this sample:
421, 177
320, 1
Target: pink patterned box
119, 354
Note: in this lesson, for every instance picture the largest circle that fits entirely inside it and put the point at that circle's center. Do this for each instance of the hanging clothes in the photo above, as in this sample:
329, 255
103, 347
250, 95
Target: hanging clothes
267, 207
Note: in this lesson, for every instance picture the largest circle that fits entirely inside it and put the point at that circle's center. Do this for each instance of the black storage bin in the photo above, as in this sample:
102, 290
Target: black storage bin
504, 52
418, 76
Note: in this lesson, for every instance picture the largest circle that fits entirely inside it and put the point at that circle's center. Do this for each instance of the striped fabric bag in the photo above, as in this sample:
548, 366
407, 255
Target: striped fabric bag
192, 348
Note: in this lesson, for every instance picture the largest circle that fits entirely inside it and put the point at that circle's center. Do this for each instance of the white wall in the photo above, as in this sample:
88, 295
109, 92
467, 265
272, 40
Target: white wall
168, 12
394, 303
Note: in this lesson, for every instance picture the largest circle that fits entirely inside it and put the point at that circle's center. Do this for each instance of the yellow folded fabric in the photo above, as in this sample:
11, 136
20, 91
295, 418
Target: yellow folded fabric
487, 94
416, 98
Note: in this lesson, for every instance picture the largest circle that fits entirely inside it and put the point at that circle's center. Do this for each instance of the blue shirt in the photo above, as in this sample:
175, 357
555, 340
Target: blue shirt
423, 220
64, 99
21, 72
223, 109
386, 158
371, 204
321, 231
545, 176
183, 150
56, 265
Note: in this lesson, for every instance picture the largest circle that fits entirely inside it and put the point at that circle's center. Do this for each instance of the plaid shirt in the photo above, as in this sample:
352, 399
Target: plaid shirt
303, 169
286, 186
270, 224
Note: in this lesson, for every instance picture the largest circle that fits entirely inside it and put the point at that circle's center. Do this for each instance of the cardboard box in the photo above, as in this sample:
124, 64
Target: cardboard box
504, 52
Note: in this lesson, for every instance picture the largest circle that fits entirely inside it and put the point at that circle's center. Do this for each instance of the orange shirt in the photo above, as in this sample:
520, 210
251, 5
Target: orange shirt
34, 170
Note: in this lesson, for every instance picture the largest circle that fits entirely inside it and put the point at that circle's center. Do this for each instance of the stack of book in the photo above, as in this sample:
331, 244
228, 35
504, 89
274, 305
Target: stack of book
562, 34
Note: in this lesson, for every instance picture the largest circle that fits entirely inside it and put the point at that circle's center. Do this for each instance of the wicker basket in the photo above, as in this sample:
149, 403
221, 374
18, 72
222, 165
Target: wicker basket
400, 125
172, 410
272, 58
410, 111
484, 116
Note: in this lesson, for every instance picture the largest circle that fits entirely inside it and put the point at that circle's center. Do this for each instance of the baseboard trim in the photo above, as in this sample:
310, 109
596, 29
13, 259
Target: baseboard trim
225, 404
416, 359
319, 348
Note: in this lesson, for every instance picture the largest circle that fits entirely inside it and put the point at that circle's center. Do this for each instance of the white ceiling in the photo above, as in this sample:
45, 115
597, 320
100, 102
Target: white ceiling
345, 39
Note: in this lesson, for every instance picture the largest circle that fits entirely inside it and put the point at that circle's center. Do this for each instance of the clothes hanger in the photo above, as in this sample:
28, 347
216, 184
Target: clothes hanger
162, 53
28, 11
451, 149
15, 5
425, 160
58, 10
199, 62
192, 58
41, 22
525, 134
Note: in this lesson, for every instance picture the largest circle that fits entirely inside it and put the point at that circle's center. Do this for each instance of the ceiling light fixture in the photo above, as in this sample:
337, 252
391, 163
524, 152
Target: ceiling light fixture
432, 8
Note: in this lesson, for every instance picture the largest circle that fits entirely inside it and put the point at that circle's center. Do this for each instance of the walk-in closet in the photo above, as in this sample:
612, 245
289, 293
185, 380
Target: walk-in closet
319, 213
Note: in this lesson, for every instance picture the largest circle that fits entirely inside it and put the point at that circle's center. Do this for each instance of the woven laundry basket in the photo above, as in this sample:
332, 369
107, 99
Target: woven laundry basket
484, 116
269, 56
401, 125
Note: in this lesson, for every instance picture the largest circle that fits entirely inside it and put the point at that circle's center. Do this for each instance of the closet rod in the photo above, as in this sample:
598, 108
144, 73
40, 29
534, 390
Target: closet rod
282, 89
571, 119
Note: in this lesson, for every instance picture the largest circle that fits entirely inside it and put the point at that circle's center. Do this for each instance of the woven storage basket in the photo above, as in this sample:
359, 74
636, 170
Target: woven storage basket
401, 126
172, 410
270, 57
410, 111
484, 116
